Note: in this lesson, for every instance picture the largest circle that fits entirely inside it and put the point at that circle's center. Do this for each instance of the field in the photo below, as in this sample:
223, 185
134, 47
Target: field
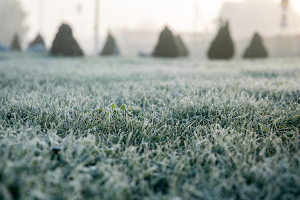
129, 128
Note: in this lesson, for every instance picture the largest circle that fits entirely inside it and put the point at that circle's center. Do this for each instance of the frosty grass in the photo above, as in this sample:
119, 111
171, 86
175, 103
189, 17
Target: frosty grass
129, 128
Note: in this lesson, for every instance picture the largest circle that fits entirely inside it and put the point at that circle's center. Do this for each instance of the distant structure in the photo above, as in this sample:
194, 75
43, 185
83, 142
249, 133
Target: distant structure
166, 46
222, 47
264, 16
41, 16
65, 44
199, 19
96, 28
284, 5
256, 48
15, 45
110, 48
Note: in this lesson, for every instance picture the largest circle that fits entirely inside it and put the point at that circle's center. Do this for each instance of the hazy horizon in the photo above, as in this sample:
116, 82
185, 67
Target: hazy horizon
116, 14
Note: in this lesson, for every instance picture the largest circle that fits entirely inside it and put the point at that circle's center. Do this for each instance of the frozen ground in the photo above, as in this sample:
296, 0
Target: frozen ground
129, 128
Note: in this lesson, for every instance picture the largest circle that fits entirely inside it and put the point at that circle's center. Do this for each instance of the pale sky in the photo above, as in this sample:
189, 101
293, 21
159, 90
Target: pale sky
118, 14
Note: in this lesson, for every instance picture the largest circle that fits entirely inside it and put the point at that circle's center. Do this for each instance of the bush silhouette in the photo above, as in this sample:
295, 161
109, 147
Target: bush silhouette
37, 40
15, 45
256, 48
222, 46
37, 45
182, 50
166, 46
110, 48
65, 44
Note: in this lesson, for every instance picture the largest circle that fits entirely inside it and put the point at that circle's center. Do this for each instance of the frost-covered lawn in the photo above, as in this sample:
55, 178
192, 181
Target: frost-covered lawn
128, 128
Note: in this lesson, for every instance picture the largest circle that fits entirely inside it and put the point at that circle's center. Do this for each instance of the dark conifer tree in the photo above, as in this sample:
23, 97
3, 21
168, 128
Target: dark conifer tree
15, 45
37, 40
166, 46
110, 48
256, 49
222, 46
182, 50
37, 45
65, 44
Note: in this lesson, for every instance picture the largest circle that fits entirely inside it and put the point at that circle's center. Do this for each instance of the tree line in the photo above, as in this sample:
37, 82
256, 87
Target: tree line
168, 45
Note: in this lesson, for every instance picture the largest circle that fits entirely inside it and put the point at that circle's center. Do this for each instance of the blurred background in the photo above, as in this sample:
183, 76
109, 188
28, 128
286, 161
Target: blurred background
136, 24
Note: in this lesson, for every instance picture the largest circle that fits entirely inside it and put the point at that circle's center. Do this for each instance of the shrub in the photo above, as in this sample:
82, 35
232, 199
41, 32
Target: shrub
65, 44
183, 52
256, 49
15, 45
166, 46
37, 45
110, 48
222, 46
37, 40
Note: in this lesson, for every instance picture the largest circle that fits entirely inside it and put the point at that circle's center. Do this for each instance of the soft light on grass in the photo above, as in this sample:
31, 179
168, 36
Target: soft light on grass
103, 128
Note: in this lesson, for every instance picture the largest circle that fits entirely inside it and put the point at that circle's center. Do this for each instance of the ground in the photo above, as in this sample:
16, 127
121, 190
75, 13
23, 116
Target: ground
130, 128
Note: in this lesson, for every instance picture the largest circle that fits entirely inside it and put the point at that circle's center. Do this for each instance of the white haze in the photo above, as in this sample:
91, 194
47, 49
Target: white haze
11, 21
119, 14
